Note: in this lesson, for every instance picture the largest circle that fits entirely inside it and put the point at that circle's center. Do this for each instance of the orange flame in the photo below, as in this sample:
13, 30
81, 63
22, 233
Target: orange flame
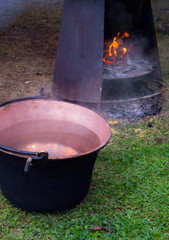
116, 51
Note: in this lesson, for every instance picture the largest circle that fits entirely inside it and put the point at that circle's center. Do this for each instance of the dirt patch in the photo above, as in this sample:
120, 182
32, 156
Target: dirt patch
27, 51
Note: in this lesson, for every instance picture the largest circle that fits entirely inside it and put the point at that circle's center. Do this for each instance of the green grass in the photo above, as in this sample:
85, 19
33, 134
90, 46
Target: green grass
128, 194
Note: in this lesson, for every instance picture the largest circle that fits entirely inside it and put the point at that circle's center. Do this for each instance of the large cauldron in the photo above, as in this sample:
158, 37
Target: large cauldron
47, 152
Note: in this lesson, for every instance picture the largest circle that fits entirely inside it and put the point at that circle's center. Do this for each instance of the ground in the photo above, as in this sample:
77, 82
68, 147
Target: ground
28, 49
128, 195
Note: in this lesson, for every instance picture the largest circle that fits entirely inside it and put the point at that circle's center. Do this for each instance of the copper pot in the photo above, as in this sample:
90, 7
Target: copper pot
57, 144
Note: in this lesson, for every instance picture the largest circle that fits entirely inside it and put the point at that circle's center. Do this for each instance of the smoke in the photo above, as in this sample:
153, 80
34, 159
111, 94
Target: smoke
10, 9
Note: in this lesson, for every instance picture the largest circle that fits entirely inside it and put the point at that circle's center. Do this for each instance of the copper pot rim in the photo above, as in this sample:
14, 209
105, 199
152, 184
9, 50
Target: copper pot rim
26, 154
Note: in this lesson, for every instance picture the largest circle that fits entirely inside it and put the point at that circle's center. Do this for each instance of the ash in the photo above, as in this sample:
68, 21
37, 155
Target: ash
131, 110
130, 67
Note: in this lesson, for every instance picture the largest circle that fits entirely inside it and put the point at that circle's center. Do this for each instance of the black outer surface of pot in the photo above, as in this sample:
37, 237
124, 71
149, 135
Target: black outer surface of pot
59, 186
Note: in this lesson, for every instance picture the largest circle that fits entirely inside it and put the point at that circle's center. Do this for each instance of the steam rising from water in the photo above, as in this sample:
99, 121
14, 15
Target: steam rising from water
10, 9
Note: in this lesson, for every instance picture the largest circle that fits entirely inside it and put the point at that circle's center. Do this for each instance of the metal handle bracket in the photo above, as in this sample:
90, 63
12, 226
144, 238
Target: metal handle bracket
39, 161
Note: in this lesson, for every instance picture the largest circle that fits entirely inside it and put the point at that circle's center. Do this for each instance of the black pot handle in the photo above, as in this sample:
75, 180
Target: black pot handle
39, 161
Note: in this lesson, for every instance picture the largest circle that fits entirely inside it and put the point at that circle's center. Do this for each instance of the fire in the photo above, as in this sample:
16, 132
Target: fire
116, 49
